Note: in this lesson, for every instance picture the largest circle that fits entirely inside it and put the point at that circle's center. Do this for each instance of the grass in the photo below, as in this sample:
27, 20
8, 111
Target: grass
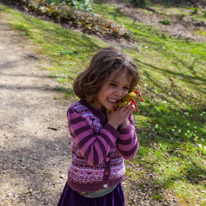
171, 123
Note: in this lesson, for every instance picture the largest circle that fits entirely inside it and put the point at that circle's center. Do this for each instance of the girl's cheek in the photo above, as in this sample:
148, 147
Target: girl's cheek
125, 93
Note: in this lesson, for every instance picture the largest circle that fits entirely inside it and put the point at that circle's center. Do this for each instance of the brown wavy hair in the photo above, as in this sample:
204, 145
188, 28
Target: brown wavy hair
102, 65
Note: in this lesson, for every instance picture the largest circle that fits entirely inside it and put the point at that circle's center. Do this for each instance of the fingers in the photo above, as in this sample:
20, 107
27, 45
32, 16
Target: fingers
126, 110
130, 110
120, 115
128, 107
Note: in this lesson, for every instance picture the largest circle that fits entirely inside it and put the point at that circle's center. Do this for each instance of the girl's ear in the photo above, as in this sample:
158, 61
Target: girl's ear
90, 99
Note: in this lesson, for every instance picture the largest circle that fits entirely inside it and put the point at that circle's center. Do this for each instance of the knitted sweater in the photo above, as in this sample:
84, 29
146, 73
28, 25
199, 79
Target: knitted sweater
98, 149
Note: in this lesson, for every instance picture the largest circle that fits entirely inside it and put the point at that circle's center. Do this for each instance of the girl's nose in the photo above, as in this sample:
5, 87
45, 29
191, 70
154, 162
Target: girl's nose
119, 93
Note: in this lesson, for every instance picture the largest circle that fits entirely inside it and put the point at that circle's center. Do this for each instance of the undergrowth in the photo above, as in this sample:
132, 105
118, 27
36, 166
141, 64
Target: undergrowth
65, 12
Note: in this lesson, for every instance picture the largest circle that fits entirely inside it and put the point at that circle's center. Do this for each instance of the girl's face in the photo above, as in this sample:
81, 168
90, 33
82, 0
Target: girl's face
115, 88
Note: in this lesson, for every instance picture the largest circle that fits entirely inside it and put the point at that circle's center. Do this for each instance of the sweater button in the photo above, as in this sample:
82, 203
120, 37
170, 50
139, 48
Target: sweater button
105, 185
107, 159
106, 173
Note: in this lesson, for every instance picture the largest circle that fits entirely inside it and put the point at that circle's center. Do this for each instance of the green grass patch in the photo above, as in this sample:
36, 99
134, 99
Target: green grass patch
204, 14
171, 123
165, 22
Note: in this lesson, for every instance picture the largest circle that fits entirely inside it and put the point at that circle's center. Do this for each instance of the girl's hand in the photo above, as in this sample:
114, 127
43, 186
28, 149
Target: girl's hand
120, 116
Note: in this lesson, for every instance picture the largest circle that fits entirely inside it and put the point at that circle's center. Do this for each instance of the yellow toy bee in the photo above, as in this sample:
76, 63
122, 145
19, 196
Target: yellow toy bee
130, 97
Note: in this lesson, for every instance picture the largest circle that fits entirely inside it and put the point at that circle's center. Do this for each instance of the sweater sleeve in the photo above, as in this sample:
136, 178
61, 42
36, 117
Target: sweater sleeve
127, 143
92, 146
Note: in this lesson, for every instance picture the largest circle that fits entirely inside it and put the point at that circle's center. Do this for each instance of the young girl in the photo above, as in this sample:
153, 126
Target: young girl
100, 140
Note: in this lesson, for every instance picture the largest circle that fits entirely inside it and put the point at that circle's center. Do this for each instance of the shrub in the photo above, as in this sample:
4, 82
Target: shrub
138, 3
83, 5
165, 22
86, 21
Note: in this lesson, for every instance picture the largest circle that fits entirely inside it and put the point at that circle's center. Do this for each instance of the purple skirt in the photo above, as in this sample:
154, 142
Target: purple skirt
71, 198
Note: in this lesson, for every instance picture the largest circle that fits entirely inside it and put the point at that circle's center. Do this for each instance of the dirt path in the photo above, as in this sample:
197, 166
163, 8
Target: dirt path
33, 129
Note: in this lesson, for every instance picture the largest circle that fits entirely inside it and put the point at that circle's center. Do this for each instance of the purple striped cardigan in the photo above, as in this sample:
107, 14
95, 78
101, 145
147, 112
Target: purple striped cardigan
98, 149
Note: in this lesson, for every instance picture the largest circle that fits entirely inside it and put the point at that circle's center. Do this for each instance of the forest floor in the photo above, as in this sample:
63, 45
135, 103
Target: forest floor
181, 24
34, 135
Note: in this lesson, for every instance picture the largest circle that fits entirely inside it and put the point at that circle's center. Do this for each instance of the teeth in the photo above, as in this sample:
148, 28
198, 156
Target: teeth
113, 100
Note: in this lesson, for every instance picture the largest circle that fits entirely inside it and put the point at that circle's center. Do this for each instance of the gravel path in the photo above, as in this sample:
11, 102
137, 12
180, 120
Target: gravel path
33, 129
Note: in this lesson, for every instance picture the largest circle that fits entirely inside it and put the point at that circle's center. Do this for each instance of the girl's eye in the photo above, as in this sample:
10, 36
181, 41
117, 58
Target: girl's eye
112, 84
126, 88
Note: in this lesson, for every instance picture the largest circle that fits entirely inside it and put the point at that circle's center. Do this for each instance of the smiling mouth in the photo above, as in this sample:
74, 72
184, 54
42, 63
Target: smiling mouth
113, 101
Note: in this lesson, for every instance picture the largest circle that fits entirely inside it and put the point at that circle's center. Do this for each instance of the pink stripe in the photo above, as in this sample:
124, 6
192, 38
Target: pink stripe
79, 125
71, 129
82, 136
84, 148
111, 137
129, 157
104, 142
128, 147
99, 152
90, 158
128, 136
